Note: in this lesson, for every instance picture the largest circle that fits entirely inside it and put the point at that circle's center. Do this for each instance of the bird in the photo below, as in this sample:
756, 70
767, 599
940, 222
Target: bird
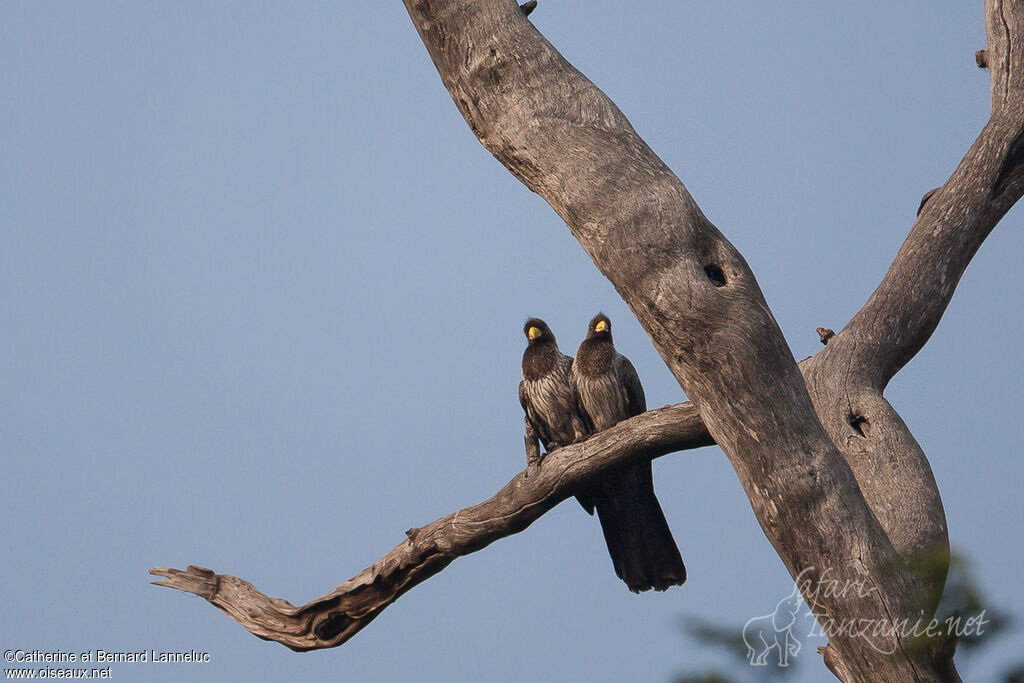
552, 417
607, 390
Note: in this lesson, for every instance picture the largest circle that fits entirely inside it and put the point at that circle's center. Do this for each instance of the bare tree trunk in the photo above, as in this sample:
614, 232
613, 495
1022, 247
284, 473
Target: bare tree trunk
835, 478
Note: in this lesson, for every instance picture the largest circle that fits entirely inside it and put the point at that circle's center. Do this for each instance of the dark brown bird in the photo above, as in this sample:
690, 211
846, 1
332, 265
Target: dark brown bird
551, 413
608, 390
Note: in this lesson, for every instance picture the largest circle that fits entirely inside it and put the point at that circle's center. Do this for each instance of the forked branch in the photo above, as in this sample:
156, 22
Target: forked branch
833, 474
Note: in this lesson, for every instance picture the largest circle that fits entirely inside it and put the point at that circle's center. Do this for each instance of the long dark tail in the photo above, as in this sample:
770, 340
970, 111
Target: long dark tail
639, 540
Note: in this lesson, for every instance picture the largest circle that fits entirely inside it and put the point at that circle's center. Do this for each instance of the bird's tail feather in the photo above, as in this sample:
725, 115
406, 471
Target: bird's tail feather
639, 540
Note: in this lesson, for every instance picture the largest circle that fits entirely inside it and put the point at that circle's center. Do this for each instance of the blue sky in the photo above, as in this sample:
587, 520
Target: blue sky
262, 300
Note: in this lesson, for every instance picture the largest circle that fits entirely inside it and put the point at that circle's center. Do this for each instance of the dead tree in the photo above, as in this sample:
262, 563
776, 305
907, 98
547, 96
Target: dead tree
835, 478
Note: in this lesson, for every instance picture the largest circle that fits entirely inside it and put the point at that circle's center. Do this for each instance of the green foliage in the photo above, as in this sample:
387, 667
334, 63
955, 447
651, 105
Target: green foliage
710, 677
963, 599
963, 610
728, 639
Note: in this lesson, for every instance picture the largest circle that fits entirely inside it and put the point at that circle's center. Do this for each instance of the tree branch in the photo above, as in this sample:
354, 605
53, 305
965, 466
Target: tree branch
335, 617
851, 494
847, 378
697, 299
898, 319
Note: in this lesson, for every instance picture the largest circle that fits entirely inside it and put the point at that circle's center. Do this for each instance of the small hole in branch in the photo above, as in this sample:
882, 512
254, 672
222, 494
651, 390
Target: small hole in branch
332, 626
715, 274
860, 425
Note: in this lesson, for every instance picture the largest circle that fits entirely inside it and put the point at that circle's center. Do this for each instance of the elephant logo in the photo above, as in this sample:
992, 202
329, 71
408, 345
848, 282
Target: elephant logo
774, 632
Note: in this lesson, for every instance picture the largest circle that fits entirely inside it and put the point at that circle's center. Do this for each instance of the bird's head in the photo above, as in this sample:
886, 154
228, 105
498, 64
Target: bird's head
537, 331
600, 327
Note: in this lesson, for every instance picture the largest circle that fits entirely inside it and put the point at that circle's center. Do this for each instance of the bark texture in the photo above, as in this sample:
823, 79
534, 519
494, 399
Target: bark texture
835, 478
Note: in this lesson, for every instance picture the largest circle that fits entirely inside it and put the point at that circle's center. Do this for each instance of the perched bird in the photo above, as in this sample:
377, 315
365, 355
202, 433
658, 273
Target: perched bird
551, 414
607, 390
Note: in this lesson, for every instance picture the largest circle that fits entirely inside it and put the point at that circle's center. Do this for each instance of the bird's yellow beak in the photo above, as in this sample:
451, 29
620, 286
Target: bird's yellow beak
533, 333
601, 326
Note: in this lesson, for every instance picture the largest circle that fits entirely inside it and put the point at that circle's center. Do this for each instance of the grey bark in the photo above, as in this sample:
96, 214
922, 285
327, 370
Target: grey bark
835, 478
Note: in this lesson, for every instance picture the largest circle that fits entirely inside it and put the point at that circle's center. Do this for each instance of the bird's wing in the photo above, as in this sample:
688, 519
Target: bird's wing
584, 495
577, 398
531, 413
636, 402
532, 433
566, 362
524, 400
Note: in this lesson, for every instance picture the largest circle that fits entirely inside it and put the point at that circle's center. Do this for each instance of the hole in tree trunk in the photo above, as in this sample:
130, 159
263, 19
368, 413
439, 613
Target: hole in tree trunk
715, 274
860, 425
